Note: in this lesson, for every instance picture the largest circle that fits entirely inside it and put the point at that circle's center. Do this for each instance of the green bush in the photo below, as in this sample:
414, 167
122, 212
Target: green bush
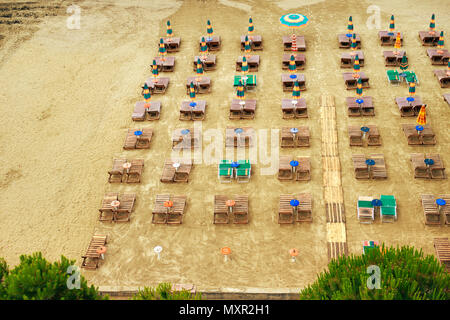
405, 274
37, 279
163, 292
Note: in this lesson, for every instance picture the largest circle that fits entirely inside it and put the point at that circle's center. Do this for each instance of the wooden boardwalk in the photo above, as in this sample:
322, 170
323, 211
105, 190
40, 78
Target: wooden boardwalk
332, 185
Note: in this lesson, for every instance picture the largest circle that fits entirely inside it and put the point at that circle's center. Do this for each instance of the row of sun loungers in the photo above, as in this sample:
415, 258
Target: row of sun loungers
301, 172
290, 214
364, 171
226, 207
431, 210
133, 141
117, 208
126, 171
424, 171
356, 136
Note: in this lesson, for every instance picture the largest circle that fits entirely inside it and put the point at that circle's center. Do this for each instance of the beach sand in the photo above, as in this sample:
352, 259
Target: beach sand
67, 98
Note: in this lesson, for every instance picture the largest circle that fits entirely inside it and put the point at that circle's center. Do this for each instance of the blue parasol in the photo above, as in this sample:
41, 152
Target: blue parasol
377, 203
370, 162
234, 164
441, 202
365, 129
294, 202
138, 133
294, 130
429, 162
238, 130
185, 131
294, 163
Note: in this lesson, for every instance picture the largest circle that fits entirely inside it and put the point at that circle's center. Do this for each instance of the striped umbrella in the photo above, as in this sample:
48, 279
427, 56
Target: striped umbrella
294, 43
292, 64
392, 26
251, 28
162, 49
404, 63
203, 47
247, 46
209, 29
412, 89
169, 29
296, 91
240, 93
398, 43
244, 67
192, 91
354, 44
422, 117
350, 27
432, 23
356, 67
199, 70
146, 93
155, 71
359, 88
440, 43
294, 20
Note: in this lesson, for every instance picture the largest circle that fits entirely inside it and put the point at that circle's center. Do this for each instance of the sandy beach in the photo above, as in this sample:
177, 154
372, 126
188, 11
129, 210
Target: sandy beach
67, 97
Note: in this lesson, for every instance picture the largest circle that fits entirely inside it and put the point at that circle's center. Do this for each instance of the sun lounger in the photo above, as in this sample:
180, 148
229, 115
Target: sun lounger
388, 209
445, 209
391, 59
291, 140
410, 76
421, 170
141, 112
426, 137
287, 214
255, 42
355, 109
116, 174
135, 172
299, 42
304, 209
244, 139
243, 172
196, 113
126, 207
443, 77
365, 209
437, 57
393, 77
168, 65
294, 110
202, 84
171, 174
378, 170
158, 87
92, 258
175, 215
446, 97
350, 81
252, 61
143, 142
288, 82
212, 42
208, 62
442, 247
360, 166
388, 40
106, 210
168, 215
303, 172
221, 210
190, 140
172, 44
429, 39
285, 171
300, 61
430, 209
347, 59
409, 109
225, 172
356, 136
437, 170
285, 210
242, 111
345, 42
160, 213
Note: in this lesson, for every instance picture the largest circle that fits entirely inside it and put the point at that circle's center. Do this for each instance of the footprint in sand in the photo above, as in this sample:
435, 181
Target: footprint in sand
9, 177
45, 114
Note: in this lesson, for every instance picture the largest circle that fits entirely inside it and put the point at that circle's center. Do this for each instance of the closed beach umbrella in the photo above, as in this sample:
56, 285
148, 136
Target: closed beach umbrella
440, 43
199, 70
169, 29
244, 67
356, 67
146, 93
203, 47
162, 48
155, 71
354, 44
422, 117
292, 65
350, 27
209, 29
359, 88
240, 93
404, 63
296, 91
192, 91
412, 88
392, 25
251, 28
398, 42
432, 23
247, 46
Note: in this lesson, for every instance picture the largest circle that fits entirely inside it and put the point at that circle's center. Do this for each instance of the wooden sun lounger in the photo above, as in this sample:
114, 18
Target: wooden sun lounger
116, 174
347, 58
196, 113
202, 84
163, 215
446, 97
252, 61
429, 39
303, 172
299, 42
221, 210
143, 142
304, 210
255, 42
285, 170
158, 87
293, 111
443, 77
379, 169
430, 209
299, 139
445, 210
388, 40
435, 171
391, 59
426, 137
189, 141
106, 212
240, 209
300, 60
168, 65
246, 111
355, 110
286, 211
288, 83
91, 259
442, 247
172, 44
169, 173
365, 210
409, 109
345, 42
126, 207
360, 166
246, 138
438, 58
208, 62
355, 136
142, 113
119, 174
350, 81
213, 44
135, 172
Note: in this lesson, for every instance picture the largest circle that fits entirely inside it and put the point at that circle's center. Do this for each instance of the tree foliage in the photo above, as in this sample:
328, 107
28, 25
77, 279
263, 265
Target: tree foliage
164, 292
405, 274
34, 278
